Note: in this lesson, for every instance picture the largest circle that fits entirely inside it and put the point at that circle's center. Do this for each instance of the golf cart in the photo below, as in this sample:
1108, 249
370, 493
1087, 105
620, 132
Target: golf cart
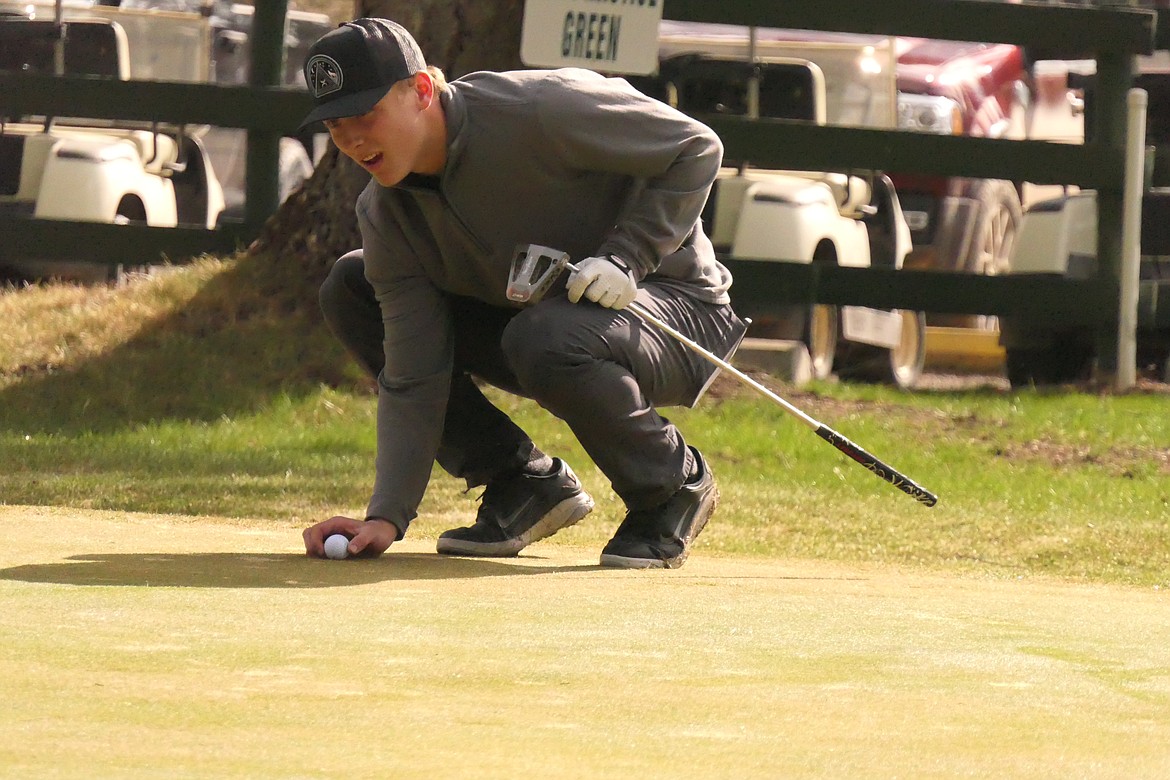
850, 218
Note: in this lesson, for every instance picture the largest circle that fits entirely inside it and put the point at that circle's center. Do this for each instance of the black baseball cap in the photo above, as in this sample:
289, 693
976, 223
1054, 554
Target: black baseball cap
349, 69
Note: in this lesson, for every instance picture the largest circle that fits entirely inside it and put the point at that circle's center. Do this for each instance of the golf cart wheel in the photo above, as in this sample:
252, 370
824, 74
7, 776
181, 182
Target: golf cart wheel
908, 358
131, 211
901, 366
814, 326
821, 339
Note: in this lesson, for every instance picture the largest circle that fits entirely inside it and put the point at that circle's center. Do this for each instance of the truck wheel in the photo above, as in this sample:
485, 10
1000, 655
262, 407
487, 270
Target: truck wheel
996, 228
1064, 362
900, 366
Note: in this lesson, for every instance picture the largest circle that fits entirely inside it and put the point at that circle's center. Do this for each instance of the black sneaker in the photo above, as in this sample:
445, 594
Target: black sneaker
660, 538
520, 510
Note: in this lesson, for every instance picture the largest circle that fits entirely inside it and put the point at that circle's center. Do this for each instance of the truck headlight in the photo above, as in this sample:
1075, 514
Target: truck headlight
929, 114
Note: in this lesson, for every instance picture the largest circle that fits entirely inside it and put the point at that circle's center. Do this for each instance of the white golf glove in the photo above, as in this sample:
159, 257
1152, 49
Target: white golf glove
606, 281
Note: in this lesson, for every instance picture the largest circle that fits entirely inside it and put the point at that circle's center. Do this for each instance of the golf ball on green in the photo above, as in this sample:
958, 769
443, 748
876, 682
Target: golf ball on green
337, 547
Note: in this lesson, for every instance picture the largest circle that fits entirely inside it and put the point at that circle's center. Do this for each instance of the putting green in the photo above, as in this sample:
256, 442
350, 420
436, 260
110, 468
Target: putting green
161, 646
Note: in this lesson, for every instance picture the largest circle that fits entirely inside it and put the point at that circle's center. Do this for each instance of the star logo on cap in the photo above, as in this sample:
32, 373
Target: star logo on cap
323, 75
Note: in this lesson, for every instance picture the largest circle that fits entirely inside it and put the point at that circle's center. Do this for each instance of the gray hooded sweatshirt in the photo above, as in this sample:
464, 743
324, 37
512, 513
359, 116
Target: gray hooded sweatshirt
567, 159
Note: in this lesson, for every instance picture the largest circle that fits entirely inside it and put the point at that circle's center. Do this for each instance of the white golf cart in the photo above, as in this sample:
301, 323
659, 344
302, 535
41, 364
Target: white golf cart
151, 173
848, 219
75, 168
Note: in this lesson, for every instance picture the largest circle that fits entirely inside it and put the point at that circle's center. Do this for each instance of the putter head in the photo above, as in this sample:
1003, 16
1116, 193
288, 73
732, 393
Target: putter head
534, 269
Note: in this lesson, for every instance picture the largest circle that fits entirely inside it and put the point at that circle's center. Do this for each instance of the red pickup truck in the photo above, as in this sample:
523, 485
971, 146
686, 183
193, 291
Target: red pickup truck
976, 89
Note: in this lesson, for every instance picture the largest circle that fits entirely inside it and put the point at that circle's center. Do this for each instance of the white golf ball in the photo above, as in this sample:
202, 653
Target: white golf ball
337, 547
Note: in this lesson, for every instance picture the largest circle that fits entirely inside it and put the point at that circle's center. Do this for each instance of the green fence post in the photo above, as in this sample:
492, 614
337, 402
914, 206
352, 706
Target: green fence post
262, 195
1114, 77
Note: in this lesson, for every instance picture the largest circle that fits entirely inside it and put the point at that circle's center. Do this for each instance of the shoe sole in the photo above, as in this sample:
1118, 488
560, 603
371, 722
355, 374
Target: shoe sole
626, 562
563, 515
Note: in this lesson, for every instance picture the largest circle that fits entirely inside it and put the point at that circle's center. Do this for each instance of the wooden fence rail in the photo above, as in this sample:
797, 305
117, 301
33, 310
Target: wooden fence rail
1111, 36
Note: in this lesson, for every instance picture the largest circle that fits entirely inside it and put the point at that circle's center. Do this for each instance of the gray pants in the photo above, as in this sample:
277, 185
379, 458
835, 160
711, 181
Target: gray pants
601, 371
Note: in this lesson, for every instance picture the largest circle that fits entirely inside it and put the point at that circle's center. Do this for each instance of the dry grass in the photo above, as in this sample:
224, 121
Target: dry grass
192, 342
65, 325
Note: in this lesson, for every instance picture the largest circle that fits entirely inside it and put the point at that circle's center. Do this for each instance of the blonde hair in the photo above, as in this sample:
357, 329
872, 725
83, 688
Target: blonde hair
437, 76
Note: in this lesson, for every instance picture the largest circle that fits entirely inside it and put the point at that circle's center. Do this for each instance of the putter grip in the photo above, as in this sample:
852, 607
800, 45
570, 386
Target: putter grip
888, 473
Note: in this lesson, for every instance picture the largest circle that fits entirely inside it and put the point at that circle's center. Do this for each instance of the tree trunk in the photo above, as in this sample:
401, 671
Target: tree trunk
459, 35
316, 225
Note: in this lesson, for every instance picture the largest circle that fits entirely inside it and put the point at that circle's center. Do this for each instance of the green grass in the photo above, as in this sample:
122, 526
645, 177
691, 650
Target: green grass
143, 646
210, 391
785, 492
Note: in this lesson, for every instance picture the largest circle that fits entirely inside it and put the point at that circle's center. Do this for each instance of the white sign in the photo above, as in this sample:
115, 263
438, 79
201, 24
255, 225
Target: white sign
612, 36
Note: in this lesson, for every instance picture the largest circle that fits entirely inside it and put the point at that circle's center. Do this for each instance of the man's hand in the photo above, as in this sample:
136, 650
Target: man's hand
603, 280
367, 539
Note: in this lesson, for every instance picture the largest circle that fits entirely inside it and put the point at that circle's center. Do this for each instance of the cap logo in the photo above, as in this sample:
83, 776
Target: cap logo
323, 75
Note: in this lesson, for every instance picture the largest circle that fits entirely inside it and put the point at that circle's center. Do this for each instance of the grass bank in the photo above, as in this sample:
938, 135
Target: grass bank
215, 390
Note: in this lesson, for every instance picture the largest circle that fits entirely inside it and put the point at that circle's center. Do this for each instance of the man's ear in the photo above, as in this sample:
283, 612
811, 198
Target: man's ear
424, 88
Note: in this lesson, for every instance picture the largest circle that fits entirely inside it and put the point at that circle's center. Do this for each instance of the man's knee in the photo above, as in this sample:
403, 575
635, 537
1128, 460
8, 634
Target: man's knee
345, 285
553, 342
532, 342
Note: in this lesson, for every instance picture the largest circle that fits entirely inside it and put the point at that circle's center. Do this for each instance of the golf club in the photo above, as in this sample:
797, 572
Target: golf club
535, 268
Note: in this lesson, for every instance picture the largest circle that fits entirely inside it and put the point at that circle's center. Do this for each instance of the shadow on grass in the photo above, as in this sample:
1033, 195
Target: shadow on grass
262, 570
253, 331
